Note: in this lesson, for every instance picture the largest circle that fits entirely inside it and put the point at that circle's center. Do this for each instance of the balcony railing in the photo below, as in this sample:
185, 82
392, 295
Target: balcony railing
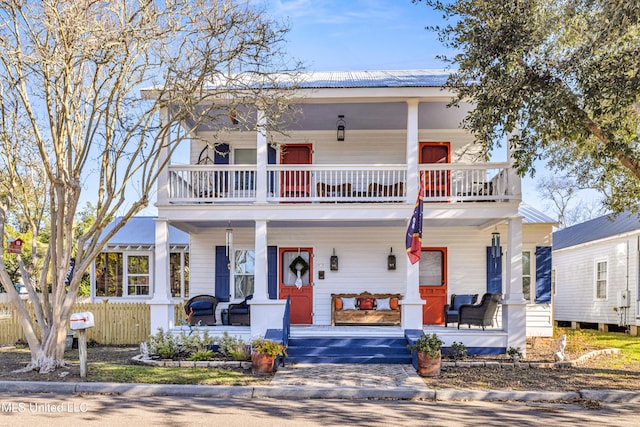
338, 183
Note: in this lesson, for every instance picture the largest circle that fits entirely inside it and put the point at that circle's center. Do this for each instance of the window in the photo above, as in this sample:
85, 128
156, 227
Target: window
244, 180
553, 281
297, 261
243, 273
119, 274
138, 275
526, 275
179, 274
432, 268
601, 280
109, 268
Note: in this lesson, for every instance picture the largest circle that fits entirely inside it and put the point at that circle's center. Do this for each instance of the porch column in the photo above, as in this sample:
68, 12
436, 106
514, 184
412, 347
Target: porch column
161, 304
162, 197
514, 306
412, 150
514, 183
261, 159
265, 313
411, 302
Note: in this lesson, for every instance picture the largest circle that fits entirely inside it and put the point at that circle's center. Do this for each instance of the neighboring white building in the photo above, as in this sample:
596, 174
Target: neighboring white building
260, 201
597, 273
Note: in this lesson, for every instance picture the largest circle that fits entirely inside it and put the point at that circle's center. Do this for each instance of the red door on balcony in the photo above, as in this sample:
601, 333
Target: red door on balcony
436, 183
295, 281
433, 284
295, 183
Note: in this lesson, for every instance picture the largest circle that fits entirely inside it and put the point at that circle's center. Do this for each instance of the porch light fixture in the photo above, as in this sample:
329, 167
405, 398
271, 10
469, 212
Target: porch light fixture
333, 261
341, 124
495, 244
391, 261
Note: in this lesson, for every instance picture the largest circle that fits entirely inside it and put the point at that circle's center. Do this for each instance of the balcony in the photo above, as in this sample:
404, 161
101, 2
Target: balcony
229, 184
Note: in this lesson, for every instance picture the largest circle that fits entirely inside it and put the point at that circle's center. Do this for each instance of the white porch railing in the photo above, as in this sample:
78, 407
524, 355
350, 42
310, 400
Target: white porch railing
338, 183
452, 182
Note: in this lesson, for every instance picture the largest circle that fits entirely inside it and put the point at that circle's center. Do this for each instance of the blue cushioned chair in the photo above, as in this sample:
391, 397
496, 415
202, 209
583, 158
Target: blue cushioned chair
451, 310
240, 314
201, 310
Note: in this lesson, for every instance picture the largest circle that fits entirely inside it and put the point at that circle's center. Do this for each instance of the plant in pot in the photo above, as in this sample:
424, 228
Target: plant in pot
263, 355
428, 348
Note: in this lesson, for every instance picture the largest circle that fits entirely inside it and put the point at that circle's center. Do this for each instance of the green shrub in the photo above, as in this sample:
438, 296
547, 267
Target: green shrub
233, 347
163, 344
429, 344
201, 355
166, 345
457, 351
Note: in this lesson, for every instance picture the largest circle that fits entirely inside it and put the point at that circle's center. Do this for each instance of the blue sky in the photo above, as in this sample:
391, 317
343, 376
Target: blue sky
360, 34
343, 35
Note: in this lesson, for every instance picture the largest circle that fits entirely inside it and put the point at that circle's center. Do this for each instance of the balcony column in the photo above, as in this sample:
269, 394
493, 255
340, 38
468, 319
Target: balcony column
161, 304
411, 301
265, 313
163, 161
514, 306
261, 158
412, 149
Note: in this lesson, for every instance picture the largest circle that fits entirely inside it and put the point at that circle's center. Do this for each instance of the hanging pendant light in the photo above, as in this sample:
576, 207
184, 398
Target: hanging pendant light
229, 239
495, 244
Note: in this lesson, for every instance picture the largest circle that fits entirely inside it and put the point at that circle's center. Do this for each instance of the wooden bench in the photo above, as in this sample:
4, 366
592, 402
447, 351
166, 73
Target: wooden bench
378, 314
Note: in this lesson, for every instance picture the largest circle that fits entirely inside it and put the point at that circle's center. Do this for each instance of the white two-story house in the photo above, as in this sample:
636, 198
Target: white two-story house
332, 198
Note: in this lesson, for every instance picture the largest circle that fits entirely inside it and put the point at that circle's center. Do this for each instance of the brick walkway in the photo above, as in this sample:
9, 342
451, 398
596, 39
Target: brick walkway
347, 375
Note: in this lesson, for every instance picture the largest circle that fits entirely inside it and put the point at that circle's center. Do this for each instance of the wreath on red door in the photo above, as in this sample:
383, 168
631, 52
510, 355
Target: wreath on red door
304, 266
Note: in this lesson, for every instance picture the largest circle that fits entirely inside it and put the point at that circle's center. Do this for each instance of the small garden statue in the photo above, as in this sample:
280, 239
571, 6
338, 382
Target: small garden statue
562, 344
144, 351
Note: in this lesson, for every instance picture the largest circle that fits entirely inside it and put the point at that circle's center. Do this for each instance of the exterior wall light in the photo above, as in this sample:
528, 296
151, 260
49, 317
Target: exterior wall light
341, 124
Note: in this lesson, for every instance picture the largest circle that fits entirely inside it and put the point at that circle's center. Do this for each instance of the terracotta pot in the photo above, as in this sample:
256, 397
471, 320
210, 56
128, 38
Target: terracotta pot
262, 363
428, 366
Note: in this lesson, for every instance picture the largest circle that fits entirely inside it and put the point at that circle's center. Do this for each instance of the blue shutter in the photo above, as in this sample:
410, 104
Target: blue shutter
272, 271
494, 272
222, 274
543, 274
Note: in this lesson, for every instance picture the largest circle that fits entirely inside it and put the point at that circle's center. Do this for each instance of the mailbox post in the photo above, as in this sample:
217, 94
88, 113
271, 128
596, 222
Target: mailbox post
80, 322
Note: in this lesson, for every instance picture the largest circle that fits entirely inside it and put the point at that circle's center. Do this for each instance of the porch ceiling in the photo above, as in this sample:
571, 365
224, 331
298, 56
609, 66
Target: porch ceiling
195, 226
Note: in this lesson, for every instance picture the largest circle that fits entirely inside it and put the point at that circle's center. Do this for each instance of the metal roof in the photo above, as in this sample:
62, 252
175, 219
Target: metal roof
141, 230
596, 229
371, 79
531, 215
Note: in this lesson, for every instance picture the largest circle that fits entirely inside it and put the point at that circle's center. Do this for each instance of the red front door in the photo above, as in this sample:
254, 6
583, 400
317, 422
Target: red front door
433, 284
436, 182
296, 281
295, 183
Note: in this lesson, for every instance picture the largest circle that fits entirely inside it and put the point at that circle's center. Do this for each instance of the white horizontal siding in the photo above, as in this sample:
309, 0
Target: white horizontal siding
360, 147
575, 281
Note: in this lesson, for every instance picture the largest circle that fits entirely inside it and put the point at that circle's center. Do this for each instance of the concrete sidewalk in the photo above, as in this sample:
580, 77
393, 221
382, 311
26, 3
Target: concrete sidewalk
325, 381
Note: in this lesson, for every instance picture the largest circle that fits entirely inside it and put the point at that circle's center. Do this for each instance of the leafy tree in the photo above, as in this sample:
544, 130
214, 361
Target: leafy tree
73, 72
559, 79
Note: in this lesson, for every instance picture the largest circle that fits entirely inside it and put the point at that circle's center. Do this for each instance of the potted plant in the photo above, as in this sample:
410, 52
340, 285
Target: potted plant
263, 355
428, 348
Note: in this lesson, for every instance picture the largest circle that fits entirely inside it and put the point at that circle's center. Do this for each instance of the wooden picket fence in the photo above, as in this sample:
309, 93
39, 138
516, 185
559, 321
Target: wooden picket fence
116, 323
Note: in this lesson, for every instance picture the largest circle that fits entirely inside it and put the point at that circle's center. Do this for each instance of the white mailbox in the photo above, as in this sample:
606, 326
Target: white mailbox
82, 320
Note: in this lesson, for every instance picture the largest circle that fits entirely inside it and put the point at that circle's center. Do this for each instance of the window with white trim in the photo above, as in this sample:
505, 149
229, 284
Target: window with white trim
138, 274
526, 276
244, 264
601, 280
122, 274
179, 274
